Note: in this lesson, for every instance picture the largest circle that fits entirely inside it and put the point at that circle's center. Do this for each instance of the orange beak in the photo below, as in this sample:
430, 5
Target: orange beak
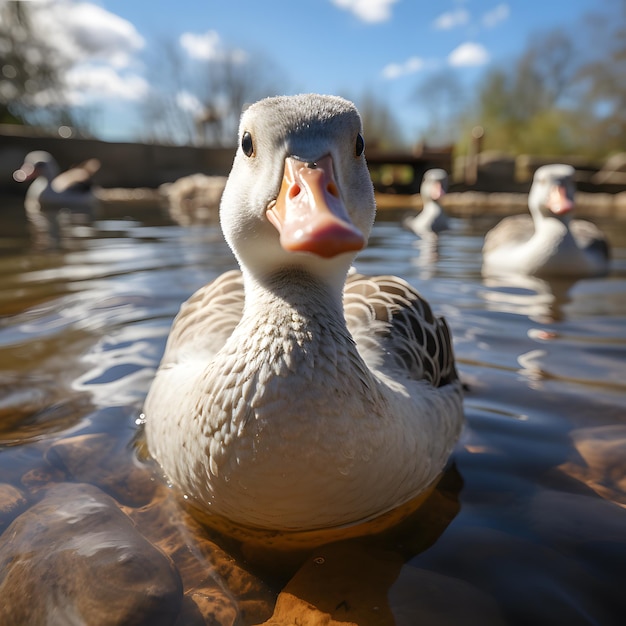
437, 191
558, 201
309, 214
25, 173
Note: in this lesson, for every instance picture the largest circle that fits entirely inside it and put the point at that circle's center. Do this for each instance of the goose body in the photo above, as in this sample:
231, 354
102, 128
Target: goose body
432, 218
292, 396
548, 242
51, 191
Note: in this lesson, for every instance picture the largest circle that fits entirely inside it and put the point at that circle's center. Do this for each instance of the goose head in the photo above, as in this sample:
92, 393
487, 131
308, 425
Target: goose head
37, 164
434, 185
299, 195
552, 193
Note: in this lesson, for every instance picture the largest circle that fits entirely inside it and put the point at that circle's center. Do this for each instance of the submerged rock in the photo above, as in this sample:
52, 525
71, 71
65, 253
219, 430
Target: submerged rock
218, 586
75, 558
101, 460
11, 501
340, 584
602, 450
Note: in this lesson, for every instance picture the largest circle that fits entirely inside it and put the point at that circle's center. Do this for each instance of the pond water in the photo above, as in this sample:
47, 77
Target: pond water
528, 525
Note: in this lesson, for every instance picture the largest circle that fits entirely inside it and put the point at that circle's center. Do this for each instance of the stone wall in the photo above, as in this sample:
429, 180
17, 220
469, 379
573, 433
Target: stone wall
501, 172
127, 165
133, 165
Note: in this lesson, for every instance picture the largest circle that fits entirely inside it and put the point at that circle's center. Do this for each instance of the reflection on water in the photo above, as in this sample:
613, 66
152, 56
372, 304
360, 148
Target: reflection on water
528, 524
537, 298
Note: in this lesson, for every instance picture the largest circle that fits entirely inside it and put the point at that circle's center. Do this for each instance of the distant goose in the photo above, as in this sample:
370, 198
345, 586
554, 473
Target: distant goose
548, 242
51, 192
291, 397
432, 218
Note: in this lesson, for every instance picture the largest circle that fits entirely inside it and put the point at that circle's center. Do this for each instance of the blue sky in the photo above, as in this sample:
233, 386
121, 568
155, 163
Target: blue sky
346, 47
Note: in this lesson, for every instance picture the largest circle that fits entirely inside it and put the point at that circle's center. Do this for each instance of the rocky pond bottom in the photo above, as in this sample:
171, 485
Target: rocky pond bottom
527, 525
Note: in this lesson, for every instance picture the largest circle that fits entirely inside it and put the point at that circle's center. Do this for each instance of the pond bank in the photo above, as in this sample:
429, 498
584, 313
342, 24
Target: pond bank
456, 203
476, 203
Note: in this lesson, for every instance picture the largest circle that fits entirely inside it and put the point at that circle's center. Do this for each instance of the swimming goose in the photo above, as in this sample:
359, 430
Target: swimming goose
548, 242
292, 396
51, 191
432, 218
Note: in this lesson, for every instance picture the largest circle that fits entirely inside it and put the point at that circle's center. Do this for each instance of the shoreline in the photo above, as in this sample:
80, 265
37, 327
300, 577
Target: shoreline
457, 203
477, 203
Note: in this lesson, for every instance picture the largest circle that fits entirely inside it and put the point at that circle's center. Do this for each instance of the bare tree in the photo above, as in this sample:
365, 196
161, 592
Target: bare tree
544, 74
531, 105
165, 117
443, 96
200, 102
380, 127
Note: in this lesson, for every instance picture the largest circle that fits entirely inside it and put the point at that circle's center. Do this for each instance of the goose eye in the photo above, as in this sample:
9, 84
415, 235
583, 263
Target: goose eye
360, 145
246, 144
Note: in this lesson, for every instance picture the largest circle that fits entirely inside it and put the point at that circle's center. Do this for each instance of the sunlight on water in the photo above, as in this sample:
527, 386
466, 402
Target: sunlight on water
528, 525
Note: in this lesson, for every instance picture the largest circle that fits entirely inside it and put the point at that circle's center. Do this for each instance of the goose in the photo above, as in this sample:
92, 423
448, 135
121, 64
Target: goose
295, 394
548, 242
432, 218
51, 191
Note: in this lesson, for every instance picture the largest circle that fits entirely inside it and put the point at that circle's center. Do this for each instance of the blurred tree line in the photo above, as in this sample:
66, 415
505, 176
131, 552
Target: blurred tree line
564, 94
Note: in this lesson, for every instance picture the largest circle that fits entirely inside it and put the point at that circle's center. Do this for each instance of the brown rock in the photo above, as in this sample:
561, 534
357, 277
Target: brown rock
344, 583
218, 588
603, 450
41, 477
11, 501
99, 459
292, 610
76, 558
375, 597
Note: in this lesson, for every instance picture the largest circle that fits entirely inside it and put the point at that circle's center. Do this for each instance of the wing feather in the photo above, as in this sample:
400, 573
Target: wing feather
589, 237
394, 327
77, 178
218, 307
513, 230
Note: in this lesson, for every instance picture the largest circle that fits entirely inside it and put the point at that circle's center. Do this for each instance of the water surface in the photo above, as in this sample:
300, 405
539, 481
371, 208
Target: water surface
529, 523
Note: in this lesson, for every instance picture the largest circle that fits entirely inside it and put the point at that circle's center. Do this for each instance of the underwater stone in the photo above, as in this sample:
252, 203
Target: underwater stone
75, 558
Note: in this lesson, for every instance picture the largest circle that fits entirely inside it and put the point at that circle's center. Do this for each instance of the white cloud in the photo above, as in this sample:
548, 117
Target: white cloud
99, 47
188, 102
496, 15
82, 31
452, 19
86, 80
367, 10
86, 83
206, 47
468, 54
410, 66
209, 47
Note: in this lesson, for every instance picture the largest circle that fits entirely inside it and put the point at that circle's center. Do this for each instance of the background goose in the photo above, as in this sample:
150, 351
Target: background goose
432, 218
51, 191
548, 241
289, 398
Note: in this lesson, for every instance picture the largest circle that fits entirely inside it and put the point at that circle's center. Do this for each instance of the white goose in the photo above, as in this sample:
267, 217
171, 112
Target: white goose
432, 218
51, 191
289, 398
548, 242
